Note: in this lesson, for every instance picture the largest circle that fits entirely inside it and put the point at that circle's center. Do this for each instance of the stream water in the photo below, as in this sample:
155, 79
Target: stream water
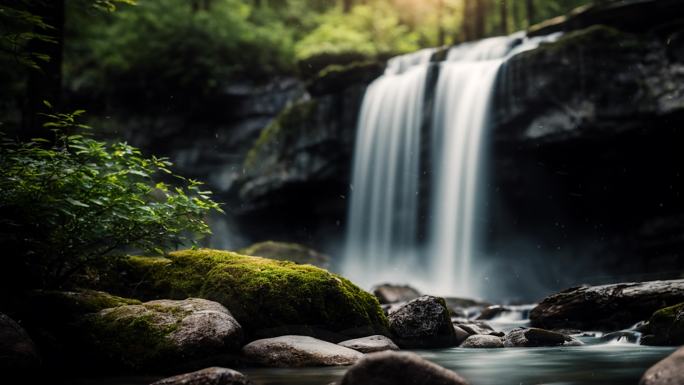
598, 362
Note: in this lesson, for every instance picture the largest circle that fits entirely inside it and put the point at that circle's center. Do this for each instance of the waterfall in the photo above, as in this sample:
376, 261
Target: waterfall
384, 188
382, 236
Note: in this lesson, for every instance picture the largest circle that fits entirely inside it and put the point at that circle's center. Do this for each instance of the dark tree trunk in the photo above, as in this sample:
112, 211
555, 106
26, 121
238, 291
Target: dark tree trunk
504, 17
45, 84
480, 12
347, 5
467, 20
515, 10
441, 38
529, 5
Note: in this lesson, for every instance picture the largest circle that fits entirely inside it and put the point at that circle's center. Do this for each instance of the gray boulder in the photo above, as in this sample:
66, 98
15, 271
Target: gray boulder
399, 368
370, 344
669, 371
482, 342
388, 293
208, 376
423, 323
606, 307
533, 337
298, 351
161, 332
17, 351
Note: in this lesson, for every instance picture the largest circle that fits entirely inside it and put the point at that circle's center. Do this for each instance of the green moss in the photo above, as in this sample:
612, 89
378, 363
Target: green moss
262, 293
666, 327
281, 131
337, 77
134, 337
75, 303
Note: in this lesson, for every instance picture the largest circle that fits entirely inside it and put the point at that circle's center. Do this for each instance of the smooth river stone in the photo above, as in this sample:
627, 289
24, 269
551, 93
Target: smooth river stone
370, 344
299, 351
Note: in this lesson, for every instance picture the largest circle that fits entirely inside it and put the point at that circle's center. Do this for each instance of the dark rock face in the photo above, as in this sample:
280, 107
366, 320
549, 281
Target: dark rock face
299, 167
298, 351
616, 14
18, 354
423, 323
370, 344
388, 293
533, 337
208, 376
569, 117
607, 307
669, 371
482, 342
399, 368
666, 327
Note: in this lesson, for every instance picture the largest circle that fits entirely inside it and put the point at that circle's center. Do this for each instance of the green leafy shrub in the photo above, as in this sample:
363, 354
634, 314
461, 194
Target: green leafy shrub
67, 203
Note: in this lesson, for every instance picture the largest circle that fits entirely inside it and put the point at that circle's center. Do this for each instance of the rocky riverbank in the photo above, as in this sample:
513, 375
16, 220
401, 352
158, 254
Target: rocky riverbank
205, 308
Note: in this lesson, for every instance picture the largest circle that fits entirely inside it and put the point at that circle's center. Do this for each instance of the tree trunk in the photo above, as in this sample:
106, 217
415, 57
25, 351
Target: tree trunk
441, 38
347, 5
529, 4
45, 84
504, 17
480, 13
515, 10
467, 20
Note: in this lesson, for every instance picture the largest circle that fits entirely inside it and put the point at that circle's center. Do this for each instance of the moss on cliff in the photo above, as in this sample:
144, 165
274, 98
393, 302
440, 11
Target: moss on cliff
261, 293
280, 132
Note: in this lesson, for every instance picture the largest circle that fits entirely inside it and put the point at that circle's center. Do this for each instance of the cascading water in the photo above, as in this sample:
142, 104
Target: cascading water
384, 201
382, 242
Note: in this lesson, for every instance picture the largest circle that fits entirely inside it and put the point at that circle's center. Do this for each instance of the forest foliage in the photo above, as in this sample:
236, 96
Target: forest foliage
150, 51
71, 201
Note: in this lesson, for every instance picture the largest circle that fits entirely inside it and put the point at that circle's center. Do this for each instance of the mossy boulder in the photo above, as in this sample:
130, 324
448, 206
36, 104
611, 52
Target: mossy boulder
159, 333
283, 251
266, 296
74, 304
666, 327
55, 321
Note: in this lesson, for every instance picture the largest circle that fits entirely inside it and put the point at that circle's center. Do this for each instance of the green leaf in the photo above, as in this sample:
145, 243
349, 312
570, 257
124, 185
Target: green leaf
76, 202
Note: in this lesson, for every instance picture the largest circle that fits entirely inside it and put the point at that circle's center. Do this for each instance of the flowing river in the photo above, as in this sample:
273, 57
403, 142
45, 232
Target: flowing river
598, 362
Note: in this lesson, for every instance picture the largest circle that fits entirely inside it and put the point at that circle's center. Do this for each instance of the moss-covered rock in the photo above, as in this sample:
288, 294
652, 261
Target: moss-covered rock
283, 251
313, 64
74, 304
267, 297
337, 77
666, 327
158, 333
279, 134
